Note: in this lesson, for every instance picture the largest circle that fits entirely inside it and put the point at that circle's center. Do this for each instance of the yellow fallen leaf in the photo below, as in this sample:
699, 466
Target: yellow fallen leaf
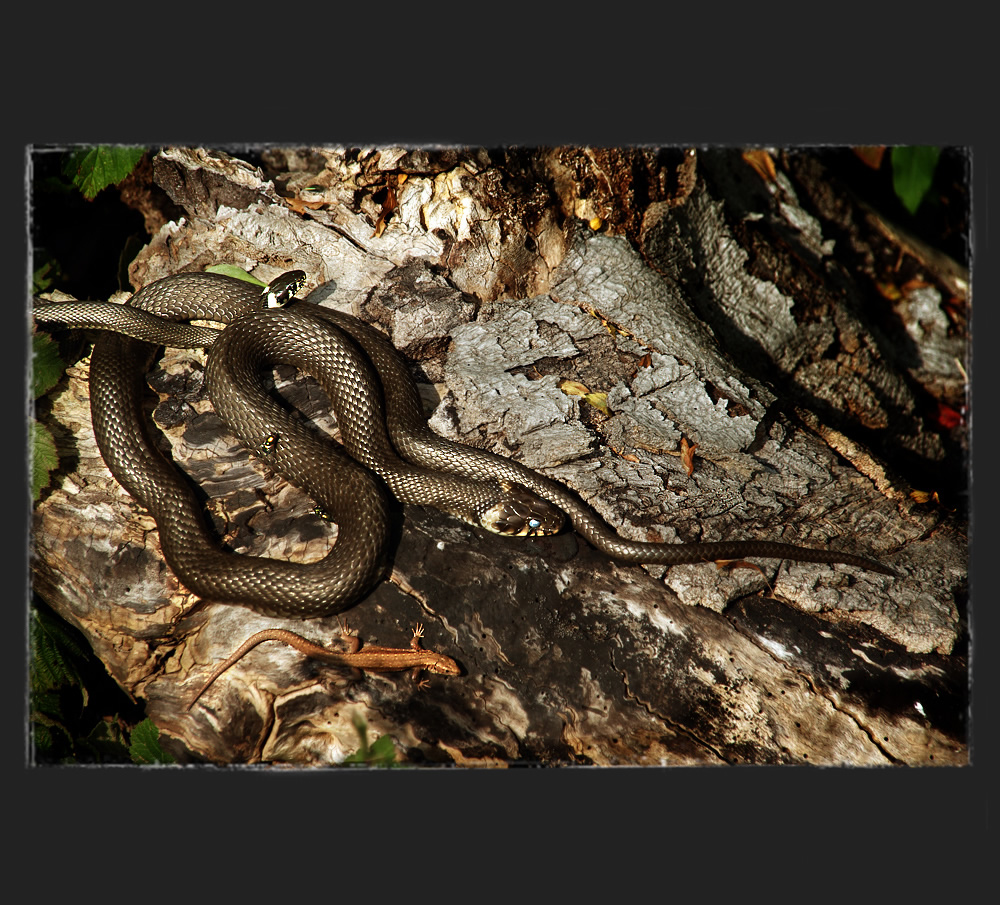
598, 401
573, 388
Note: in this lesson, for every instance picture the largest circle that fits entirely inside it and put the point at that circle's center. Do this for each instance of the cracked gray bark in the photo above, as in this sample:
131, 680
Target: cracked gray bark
496, 292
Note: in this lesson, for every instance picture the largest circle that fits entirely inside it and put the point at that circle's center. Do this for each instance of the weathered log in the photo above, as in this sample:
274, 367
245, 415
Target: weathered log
711, 306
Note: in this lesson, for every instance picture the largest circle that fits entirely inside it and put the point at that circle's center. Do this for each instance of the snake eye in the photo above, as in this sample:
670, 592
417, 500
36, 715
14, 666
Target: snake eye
521, 513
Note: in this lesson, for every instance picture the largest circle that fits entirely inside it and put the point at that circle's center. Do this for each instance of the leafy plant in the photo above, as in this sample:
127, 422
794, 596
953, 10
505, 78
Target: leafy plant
47, 272
94, 169
381, 752
56, 655
145, 745
66, 725
44, 458
47, 367
913, 173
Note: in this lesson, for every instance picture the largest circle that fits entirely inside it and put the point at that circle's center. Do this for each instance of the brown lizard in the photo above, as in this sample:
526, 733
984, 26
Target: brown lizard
372, 658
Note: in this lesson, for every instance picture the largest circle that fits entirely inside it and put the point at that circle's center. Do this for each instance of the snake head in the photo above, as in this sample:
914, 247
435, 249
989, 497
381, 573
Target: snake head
521, 513
281, 290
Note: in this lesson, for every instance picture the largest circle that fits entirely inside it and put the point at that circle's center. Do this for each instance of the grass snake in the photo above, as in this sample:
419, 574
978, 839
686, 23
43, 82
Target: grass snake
379, 414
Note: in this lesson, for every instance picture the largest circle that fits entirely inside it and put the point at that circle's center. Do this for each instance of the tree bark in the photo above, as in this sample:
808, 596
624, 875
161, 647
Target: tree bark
734, 311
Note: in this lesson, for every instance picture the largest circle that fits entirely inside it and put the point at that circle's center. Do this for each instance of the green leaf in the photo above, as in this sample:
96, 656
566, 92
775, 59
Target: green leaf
46, 365
51, 737
231, 270
381, 753
94, 169
56, 657
69, 723
145, 747
913, 173
45, 273
44, 459
361, 727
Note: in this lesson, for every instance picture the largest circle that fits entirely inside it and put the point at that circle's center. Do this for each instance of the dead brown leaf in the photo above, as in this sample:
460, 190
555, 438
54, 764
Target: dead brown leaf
300, 206
388, 206
870, 155
687, 455
628, 457
762, 162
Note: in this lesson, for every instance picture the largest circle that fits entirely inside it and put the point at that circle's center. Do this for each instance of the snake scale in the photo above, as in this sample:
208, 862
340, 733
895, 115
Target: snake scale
387, 441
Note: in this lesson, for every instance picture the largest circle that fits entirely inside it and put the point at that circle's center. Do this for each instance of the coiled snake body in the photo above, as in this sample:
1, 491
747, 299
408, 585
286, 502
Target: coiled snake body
382, 426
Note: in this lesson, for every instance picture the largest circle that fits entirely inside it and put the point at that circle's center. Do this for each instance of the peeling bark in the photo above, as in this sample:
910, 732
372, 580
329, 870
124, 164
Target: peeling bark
711, 305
